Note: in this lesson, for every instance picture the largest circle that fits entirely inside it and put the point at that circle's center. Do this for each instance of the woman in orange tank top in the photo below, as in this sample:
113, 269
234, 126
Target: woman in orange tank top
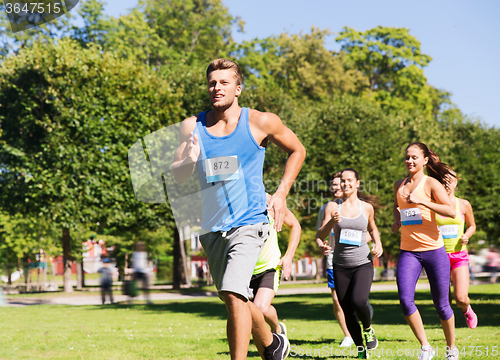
417, 199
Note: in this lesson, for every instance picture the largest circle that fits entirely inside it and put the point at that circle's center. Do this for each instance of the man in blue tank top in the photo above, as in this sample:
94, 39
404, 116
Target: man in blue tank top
226, 147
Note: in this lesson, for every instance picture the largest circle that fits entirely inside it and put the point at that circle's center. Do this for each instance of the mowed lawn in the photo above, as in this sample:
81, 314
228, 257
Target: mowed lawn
195, 329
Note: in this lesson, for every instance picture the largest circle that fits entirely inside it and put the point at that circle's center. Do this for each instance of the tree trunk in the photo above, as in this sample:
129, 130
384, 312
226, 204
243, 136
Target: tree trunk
66, 243
9, 274
79, 279
38, 284
83, 274
187, 275
319, 269
27, 277
44, 278
177, 270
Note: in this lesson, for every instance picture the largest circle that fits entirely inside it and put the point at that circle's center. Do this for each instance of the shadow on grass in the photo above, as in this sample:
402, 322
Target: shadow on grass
322, 342
298, 352
249, 354
318, 307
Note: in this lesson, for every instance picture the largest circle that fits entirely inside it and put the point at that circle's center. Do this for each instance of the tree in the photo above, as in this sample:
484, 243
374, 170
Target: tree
193, 29
392, 61
172, 32
11, 42
96, 25
69, 116
474, 153
23, 240
299, 64
133, 38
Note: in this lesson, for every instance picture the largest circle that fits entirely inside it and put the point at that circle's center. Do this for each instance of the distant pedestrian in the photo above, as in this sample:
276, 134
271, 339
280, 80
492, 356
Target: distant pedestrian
472, 265
106, 280
141, 271
492, 262
200, 273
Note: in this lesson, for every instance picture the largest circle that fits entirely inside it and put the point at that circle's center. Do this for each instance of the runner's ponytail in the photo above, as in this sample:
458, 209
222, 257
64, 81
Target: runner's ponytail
437, 169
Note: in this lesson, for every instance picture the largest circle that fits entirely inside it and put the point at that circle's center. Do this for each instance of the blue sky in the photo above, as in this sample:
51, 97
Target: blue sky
461, 36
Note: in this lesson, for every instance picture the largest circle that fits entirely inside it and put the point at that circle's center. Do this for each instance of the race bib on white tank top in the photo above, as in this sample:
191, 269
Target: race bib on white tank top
350, 237
449, 231
411, 216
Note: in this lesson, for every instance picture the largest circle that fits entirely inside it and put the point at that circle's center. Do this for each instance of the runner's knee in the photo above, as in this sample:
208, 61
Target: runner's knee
407, 305
461, 299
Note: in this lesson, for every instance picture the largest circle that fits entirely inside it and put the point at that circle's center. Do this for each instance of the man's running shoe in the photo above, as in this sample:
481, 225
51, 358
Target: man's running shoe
426, 353
283, 329
371, 340
347, 342
470, 318
279, 353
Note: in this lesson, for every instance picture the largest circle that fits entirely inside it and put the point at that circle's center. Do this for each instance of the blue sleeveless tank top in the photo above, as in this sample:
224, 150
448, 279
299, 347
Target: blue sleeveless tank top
230, 174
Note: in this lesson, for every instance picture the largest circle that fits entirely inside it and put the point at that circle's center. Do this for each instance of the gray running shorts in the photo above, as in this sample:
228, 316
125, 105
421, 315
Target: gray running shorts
232, 256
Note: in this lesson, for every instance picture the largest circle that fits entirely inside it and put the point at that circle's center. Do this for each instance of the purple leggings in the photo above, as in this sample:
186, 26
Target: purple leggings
437, 267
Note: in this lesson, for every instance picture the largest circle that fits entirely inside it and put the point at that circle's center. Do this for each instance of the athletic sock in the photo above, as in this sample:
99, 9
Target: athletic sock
274, 344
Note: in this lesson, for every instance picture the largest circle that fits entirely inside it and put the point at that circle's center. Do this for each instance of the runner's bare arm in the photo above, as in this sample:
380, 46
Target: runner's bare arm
285, 139
395, 211
470, 222
286, 261
187, 153
319, 222
331, 218
442, 206
323, 245
377, 249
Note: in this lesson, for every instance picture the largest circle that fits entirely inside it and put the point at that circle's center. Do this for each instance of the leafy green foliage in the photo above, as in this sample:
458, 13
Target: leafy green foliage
172, 32
71, 108
69, 116
22, 237
393, 63
300, 64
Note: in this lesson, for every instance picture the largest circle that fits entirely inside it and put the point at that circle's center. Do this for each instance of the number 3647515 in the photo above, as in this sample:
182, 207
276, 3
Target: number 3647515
32, 8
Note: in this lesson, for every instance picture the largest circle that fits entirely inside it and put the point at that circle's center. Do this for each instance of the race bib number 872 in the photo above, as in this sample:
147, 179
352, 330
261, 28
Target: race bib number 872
221, 168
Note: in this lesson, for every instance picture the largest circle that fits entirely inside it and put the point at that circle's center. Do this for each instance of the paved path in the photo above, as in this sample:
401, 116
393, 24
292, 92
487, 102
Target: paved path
96, 299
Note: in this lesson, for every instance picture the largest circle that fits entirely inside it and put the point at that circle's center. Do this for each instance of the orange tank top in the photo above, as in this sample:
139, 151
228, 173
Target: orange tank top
419, 231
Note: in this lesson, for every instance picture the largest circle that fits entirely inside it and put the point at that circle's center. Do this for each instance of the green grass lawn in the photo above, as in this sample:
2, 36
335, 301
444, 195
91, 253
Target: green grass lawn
195, 329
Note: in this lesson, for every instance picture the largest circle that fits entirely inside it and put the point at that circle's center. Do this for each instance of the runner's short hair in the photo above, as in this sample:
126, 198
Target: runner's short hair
225, 64
338, 174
